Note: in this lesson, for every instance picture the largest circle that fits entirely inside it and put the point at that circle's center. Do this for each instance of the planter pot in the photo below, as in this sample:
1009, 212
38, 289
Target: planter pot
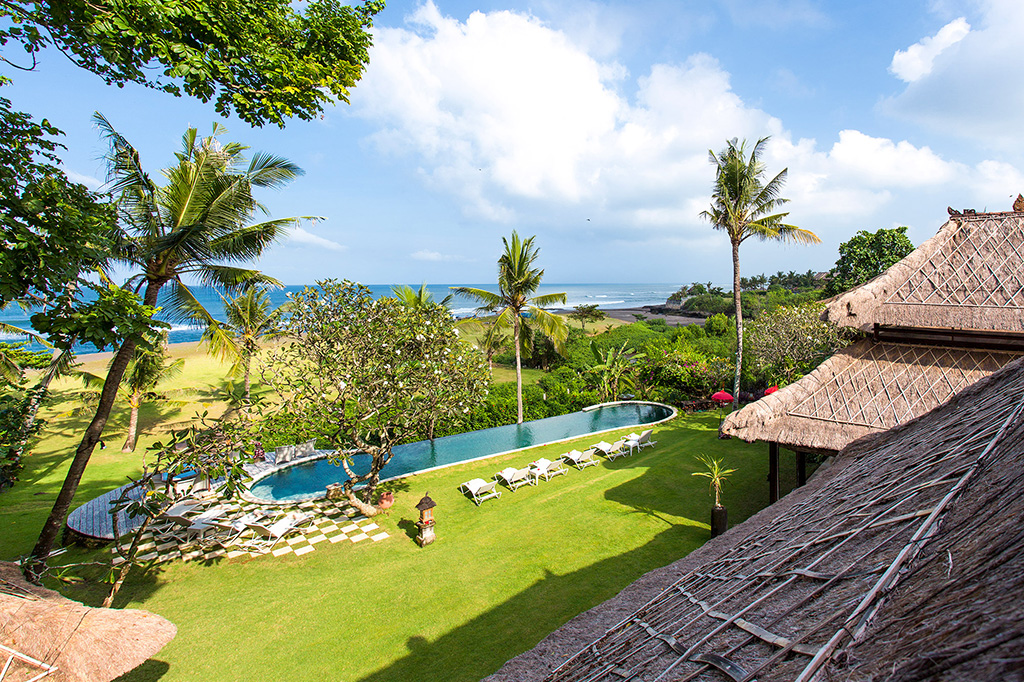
719, 521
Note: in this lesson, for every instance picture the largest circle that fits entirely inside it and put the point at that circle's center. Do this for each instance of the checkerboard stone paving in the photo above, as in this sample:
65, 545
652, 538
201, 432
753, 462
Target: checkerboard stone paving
333, 522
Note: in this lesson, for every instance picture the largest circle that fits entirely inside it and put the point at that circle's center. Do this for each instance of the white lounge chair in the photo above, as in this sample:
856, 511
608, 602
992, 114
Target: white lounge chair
481, 490
236, 528
268, 536
616, 450
581, 460
547, 469
516, 477
645, 439
180, 529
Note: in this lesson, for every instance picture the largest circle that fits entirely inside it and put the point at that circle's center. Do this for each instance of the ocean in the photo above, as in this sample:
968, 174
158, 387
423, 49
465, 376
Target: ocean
609, 296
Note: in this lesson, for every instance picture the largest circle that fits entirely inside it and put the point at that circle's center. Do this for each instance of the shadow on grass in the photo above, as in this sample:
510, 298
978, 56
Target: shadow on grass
481, 645
152, 669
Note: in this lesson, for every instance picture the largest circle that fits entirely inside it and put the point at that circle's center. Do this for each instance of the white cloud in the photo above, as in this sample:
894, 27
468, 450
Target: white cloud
301, 236
434, 256
976, 90
87, 180
525, 127
916, 61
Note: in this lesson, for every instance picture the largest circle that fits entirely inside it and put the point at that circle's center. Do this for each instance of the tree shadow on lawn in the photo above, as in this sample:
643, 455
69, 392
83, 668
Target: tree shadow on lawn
480, 646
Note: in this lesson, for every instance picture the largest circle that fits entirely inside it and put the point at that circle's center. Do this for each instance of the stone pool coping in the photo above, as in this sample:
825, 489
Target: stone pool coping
268, 469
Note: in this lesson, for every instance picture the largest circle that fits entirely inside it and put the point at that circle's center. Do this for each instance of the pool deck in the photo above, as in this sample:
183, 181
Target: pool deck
93, 520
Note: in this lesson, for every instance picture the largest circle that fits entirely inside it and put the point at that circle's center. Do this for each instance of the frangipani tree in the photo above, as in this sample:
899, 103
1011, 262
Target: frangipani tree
743, 205
366, 374
515, 305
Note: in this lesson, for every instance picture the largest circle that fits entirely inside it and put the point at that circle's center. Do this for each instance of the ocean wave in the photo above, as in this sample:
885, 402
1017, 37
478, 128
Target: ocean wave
573, 304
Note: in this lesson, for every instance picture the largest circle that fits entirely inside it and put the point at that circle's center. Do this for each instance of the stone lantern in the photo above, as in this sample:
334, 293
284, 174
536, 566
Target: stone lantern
426, 522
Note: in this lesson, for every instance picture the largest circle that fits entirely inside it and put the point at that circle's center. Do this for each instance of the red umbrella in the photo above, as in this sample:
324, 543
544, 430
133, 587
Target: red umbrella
722, 397
771, 389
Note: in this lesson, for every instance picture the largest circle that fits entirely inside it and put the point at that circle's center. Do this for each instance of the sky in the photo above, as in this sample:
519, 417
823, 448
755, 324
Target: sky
588, 124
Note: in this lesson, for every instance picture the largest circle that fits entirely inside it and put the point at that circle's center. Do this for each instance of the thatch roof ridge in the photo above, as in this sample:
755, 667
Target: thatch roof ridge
968, 276
910, 543
85, 644
865, 388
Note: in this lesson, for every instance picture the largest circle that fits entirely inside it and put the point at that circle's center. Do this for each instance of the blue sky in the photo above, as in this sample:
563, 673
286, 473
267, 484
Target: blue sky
589, 123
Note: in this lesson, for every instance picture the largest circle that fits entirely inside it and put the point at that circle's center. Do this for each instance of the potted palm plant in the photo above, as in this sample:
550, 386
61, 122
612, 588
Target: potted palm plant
717, 475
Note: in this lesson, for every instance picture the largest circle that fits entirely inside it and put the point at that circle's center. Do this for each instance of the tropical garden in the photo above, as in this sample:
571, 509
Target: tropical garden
352, 371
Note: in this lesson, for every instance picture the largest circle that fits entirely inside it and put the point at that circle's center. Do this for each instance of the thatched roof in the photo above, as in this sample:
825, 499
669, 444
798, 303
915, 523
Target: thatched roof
904, 561
85, 644
866, 388
968, 276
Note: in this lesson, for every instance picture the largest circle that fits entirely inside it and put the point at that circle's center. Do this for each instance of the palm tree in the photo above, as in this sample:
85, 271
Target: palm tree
417, 298
146, 369
744, 206
250, 321
190, 228
517, 281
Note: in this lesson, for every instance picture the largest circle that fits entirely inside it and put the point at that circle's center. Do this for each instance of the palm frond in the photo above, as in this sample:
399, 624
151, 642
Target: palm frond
547, 300
488, 298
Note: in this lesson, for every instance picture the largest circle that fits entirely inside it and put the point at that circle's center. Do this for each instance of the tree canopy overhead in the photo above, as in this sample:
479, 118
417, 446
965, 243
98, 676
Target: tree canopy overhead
260, 59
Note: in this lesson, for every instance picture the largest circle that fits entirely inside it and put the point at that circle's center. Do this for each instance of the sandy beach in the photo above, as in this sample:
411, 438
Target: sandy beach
627, 315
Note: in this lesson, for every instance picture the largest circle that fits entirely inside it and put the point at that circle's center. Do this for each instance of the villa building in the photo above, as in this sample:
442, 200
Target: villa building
947, 315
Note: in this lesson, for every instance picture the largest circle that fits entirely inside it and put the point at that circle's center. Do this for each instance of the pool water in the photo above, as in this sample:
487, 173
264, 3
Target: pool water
308, 480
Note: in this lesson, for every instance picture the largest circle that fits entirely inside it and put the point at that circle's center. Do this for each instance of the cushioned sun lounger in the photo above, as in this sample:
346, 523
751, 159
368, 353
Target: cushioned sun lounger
481, 490
268, 536
547, 469
516, 477
581, 460
617, 449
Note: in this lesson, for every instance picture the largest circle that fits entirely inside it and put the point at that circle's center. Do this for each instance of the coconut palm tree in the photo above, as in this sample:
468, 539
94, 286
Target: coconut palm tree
745, 206
250, 321
514, 304
417, 298
146, 369
194, 227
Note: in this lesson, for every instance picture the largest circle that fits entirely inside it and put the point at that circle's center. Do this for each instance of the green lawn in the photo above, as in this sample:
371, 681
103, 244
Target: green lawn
504, 373
499, 578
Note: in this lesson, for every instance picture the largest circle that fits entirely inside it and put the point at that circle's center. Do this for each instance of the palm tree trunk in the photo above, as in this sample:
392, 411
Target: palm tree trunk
247, 382
519, 370
133, 425
48, 534
737, 301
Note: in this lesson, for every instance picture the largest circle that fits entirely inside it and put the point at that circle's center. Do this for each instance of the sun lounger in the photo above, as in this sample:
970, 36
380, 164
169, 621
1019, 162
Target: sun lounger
481, 490
516, 477
581, 460
180, 529
617, 449
266, 537
645, 439
236, 528
547, 469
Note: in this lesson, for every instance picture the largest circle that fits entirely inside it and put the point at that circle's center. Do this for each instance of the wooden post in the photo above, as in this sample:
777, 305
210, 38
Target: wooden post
801, 468
773, 472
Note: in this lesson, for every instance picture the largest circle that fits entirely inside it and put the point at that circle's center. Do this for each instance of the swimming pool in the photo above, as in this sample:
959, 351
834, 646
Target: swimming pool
308, 480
